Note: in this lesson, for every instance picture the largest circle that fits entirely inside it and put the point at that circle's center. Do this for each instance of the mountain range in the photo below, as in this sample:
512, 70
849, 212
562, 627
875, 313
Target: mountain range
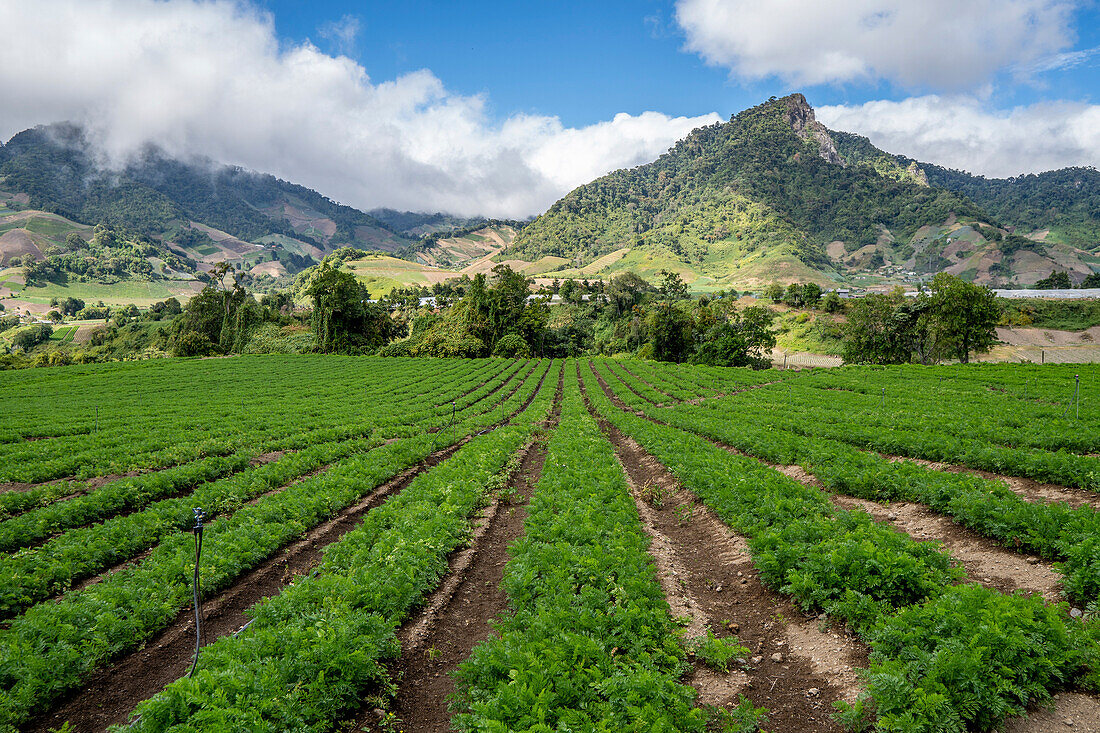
772, 194
201, 209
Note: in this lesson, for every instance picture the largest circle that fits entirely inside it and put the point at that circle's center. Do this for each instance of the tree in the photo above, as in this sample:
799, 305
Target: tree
1092, 281
793, 296
743, 339
876, 333
1057, 280
343, 320
626, 291
811, 295
673, 286
31, 336
774, 292
567, 290
54, 316
832, 302
512, 346
71, 306
965, 315
670, 331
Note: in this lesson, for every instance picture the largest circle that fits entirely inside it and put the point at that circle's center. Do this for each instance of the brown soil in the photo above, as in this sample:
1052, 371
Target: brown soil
110, 694
986, 561
1070, 712
797, 667
459, 615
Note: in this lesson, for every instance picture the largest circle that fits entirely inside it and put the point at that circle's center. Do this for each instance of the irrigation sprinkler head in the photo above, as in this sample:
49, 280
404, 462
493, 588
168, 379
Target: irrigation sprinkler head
199, 516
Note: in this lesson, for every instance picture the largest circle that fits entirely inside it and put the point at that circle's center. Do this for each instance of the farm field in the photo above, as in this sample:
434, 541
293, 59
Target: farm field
588, 544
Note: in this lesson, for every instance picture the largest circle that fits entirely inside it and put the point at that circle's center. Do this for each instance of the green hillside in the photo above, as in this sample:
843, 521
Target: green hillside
744, 197
773, 194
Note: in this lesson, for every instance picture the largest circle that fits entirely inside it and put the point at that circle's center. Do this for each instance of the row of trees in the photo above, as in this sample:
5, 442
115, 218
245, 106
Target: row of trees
1059, 280
953, 318
804, 295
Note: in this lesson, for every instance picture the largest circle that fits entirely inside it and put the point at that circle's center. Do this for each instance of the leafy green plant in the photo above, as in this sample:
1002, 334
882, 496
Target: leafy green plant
716, 653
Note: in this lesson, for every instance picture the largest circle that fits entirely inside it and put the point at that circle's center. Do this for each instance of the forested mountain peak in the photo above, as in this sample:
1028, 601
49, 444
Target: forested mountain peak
773, 193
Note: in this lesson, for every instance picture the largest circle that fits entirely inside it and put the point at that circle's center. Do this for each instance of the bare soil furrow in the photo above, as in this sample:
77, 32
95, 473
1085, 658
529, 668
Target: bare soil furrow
459, 615
985, 560
112, 693
798, 666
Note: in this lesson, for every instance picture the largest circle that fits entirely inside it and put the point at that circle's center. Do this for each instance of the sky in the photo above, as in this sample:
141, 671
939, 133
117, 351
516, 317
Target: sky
499, 109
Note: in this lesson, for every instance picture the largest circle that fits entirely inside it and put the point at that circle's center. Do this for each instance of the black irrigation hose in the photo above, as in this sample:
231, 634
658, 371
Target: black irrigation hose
199, 516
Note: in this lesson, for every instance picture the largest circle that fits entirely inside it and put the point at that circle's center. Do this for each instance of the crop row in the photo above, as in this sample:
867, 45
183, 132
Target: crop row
1055, 530
801, 410
945, 656
65, 403
221, 426
315, 650
1035, 416
34, 575
131, 493
589, 644
53, 647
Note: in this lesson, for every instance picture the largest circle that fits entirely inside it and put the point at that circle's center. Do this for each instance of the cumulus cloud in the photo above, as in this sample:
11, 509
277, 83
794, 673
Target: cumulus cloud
963, 133
210, 78
943, 44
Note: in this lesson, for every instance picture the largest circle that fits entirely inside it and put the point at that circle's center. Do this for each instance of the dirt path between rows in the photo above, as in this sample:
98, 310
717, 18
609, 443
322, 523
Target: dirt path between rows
985, 561
1028, 488
798, 666
112, 693
459, 615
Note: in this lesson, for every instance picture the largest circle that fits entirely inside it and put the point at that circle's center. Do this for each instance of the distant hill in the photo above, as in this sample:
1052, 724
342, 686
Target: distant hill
773, 194
203, 210
417, 224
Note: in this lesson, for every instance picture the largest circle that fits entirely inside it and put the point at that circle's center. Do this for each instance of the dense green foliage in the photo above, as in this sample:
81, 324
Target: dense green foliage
944, 657
750, 184
589, 643
366, 585
1065, 201
343, 319
67, 641
952, 320
274, 446
1070, 315
111, 255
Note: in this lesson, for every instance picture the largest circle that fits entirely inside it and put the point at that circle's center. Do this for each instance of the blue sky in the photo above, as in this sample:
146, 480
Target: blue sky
501, 108
587, 61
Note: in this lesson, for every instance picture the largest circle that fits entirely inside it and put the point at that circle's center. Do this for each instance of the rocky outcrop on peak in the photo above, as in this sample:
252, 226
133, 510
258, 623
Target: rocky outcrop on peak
800, 116
916, 174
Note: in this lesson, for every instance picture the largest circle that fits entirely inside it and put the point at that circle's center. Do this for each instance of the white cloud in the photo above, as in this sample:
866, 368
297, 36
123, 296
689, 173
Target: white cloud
945, 44
208, 77
341, 33
963, 133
